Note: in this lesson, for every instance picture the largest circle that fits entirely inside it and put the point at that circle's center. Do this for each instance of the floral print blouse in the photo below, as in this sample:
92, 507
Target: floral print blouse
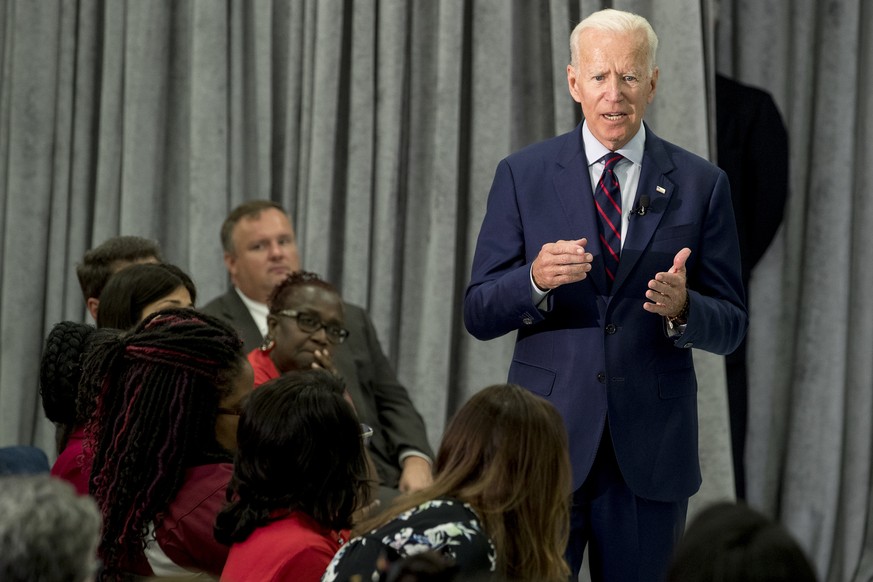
445, 526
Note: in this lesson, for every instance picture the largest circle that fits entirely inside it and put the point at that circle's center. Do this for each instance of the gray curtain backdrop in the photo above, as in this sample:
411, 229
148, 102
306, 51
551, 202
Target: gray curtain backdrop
811, 340
378, 125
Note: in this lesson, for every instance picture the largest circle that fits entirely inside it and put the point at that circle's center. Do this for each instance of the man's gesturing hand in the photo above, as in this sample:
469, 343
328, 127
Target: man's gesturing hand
561, 262
667, 291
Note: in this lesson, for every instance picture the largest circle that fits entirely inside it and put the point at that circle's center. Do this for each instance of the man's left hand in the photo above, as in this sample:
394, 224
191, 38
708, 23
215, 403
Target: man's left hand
667, 292
416, 474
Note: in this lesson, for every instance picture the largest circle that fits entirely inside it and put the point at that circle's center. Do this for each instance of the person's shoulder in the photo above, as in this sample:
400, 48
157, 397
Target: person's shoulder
217, 304
355, 311
682, 159
547, 149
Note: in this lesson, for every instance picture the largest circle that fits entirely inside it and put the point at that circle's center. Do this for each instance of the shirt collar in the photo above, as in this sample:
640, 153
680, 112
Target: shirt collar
632, 150
259, 310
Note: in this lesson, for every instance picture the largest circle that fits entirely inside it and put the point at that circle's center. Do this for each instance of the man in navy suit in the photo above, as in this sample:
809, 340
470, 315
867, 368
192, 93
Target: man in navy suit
611, 348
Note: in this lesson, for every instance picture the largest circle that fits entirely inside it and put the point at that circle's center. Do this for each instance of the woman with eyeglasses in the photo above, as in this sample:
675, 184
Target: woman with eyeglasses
304, 328
299, 475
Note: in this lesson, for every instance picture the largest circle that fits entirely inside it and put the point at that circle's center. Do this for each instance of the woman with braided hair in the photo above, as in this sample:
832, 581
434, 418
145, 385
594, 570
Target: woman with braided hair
59, 373
162, 436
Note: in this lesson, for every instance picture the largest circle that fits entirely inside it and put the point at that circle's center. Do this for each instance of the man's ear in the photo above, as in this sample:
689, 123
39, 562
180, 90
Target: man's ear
573, 84
92, 303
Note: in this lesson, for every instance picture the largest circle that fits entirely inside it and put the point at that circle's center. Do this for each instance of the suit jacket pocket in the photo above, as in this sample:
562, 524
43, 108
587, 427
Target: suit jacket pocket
535, 378
677, 383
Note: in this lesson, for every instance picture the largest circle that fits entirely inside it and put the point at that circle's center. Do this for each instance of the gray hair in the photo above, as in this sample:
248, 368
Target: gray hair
615, 21
47, 532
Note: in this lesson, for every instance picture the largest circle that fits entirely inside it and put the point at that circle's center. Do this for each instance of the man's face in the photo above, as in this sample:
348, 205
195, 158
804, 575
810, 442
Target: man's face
264, 253
613, 84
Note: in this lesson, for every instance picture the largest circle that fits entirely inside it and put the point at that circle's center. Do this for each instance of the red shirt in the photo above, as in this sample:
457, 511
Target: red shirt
72, 465
293, 549
263, 366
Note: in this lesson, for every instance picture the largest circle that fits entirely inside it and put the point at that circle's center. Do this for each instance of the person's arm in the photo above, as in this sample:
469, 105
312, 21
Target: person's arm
715, 313
398, 420
416, 472
500, 297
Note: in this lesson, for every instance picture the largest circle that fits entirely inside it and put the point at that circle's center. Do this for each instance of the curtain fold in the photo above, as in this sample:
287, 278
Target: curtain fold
809, 441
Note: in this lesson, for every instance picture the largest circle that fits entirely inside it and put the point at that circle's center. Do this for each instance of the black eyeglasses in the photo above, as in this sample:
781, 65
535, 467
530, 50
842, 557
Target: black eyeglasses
310, 324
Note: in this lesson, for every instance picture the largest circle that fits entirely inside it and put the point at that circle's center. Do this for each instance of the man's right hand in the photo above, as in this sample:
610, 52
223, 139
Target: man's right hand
561, 262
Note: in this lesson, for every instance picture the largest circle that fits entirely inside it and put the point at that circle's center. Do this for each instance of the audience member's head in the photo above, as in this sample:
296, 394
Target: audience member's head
164, 390
60, 369
734, 543
137, 291
111, 256
496, 453
260, 248
299, 449
306, 314
22, 460
47, 532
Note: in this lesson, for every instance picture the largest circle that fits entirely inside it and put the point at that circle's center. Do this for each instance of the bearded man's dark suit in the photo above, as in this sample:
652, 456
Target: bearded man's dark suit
597, 356
380, 400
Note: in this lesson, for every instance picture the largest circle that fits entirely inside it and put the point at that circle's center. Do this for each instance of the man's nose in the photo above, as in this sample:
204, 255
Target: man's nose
613, 89
276, 249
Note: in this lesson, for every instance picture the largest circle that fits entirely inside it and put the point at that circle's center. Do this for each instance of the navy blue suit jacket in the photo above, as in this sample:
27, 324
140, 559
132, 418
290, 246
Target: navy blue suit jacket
594, 355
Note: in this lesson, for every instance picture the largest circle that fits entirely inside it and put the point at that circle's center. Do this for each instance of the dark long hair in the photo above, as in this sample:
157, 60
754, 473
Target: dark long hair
160, 387
132, 288
505, 453
299, 449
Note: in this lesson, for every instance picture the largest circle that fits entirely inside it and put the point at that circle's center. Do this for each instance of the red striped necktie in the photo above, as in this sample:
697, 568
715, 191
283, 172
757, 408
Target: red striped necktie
607, 197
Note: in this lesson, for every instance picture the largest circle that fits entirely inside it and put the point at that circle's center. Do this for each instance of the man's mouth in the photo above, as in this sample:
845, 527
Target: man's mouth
613, 116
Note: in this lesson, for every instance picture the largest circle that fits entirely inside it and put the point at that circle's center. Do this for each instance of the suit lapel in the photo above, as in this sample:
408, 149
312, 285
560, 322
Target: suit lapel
659, 188
573, 186
242, 319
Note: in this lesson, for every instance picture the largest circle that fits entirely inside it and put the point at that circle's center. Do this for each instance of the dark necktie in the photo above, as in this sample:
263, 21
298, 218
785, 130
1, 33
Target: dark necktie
608, 200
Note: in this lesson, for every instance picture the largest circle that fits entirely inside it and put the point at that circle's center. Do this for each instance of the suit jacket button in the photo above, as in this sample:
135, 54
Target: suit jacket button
688, 345
611, 328
601, 377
